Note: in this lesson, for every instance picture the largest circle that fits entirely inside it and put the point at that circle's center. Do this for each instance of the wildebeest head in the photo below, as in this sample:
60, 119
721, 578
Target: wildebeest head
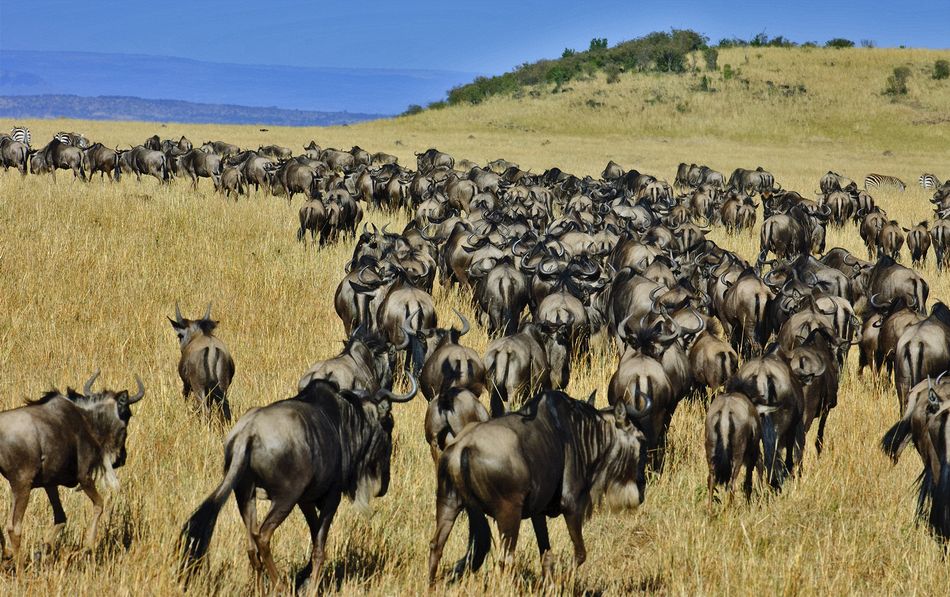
188, 329
108, 413
371, 477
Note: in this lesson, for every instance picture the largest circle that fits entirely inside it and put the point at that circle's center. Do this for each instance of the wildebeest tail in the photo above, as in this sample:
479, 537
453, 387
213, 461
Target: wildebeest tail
895, 438
722, 459
165, 169
498, 378
196, 534
773, 468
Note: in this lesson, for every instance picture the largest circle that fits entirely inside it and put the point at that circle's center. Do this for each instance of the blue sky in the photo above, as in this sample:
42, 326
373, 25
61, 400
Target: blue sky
484, 36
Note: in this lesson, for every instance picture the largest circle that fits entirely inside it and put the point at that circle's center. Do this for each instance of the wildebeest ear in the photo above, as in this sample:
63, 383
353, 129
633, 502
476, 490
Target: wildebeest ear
592, 398
175, 324
620, 414
122, 397
383, 408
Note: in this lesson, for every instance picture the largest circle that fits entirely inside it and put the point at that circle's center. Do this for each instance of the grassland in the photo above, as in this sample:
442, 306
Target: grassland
89, 272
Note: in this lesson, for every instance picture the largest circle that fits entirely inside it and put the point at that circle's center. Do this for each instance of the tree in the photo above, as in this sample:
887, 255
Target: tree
897, 82
711, 56
598, 43
839, 42
941, 70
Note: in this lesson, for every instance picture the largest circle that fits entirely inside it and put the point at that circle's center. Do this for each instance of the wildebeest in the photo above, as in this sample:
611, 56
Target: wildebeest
141, 160
58, 155
222, 149
231, 181
733, 432
517, 366
922, 351
365, 364
63, 439
918, 243
446, 416
14, 154
101, 159
306, 451
206, 367
554, 457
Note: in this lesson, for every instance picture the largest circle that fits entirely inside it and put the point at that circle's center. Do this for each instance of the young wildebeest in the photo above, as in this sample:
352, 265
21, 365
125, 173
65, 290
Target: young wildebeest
451, 411
63, 439
733, 432
555, 457
307, 451
206, 367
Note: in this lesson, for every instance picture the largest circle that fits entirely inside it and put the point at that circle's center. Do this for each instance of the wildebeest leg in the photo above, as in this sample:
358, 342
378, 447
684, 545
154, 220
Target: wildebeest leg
447, 509
89, 488
279, 510
750, 464
59, 518
319, 528
575, 528
21, 497
540, 525
244, 495
820, 440
508, 519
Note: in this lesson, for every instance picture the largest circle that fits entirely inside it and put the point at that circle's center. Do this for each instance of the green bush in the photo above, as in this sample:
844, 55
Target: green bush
661, 51
897, 82
839, 42
711, 57
413, 109
941, 70
727, 72
567, 53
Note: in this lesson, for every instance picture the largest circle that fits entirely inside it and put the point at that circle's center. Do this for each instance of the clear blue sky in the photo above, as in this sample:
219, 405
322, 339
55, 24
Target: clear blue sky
485, 36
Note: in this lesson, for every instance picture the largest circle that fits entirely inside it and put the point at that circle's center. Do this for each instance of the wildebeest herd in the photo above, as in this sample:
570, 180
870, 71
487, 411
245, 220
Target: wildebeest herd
549, 260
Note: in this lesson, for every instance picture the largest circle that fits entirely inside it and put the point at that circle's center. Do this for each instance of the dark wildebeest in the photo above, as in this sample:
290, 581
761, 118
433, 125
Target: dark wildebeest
101, 159
63, 440
313, 218
140, 160
365, 364
220, 148
923, 351
446, 416
14, 154
275, 151
733, 432
918, 243
307, 451
231, 181
199, 164
206, 367
517, 366
555, 457
61, 156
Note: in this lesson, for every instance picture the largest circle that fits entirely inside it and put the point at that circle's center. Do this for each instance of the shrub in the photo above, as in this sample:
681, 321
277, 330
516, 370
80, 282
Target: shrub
897, 82
438, 105
413, 109
598, 43
727, 72
613, 73
868, 43
941, 70
567, 53
839, 42
711, 56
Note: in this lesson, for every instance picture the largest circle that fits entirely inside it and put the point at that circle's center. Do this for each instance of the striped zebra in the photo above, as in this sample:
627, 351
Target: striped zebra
928, 181
74, 139
882, 180
21, 134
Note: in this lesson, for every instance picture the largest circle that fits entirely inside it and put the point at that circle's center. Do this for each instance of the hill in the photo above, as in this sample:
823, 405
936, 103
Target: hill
20, 107
374, 91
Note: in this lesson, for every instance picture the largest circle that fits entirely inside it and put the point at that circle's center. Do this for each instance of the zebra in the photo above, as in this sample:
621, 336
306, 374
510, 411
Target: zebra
21, 134
74, 139
928, 181
882, 180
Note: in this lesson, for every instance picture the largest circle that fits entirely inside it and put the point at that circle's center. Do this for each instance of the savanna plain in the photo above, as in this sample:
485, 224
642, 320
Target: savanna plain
90, 271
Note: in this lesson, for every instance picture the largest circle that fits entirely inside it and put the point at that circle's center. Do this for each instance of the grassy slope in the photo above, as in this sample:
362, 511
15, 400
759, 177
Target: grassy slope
90, 272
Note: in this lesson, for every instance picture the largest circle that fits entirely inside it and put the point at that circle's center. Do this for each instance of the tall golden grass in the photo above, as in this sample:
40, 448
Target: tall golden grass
90, 271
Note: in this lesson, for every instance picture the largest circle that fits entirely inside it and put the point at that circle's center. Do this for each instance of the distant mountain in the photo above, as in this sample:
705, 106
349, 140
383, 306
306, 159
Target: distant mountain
112, 107
88, 74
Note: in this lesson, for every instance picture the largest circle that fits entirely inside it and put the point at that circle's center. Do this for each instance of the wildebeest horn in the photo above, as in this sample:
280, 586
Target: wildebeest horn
636, 413
178, 316
675, 330
876, 304
207, 314
392, 397
141, 392
87, 387
365, 227
622, 328
385, 226
702, 323
465, 325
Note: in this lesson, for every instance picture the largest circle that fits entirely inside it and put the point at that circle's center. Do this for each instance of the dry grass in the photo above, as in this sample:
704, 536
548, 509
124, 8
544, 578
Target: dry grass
91, 270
